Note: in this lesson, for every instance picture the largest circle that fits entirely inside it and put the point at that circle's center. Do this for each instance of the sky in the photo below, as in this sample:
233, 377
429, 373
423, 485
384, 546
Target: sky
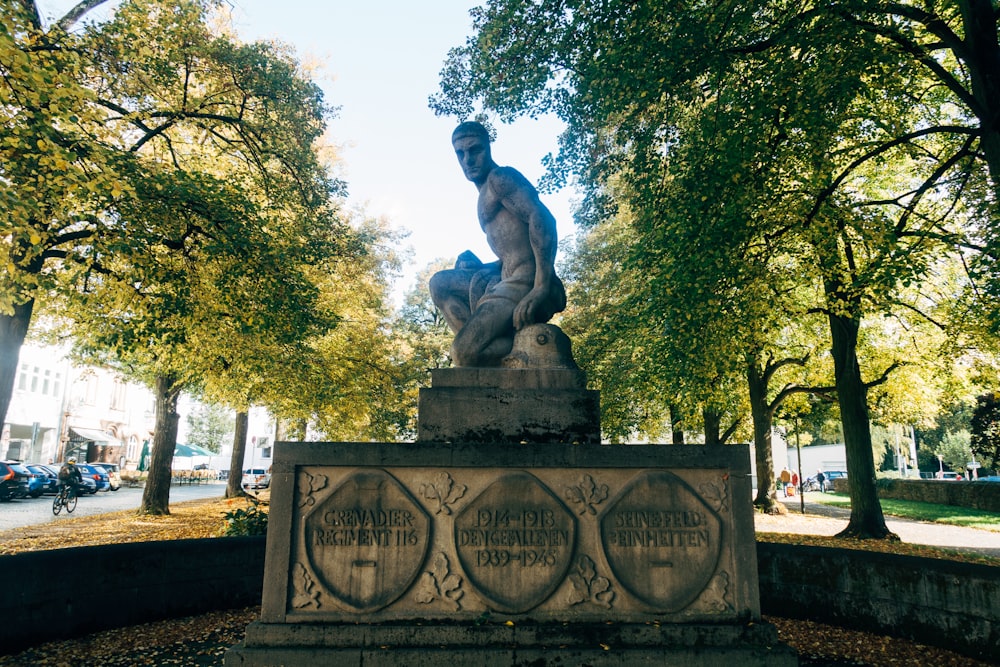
379, 62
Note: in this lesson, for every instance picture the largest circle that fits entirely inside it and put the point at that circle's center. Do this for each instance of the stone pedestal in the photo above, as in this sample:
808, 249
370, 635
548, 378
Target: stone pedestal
537, 405
484, 554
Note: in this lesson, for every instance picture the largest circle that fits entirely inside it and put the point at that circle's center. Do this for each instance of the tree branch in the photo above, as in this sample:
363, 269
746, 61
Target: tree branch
73, 15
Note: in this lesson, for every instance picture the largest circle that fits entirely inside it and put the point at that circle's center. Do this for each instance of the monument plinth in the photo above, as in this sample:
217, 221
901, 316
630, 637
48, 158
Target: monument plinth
474, 553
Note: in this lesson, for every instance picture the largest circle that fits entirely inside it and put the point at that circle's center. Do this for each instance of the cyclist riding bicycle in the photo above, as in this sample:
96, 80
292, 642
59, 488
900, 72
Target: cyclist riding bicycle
70, 476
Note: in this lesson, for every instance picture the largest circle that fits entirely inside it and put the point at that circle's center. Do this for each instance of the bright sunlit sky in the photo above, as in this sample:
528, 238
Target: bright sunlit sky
380, 61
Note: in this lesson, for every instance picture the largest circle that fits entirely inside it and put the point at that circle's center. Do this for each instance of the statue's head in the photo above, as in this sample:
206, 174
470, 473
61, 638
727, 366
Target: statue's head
471, 141
471, 128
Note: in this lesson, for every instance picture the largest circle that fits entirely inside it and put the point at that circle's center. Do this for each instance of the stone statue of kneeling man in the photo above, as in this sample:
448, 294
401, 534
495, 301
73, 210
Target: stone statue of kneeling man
486, 304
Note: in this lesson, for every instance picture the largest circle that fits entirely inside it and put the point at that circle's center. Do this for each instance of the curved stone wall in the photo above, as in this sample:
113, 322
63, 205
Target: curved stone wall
72, 592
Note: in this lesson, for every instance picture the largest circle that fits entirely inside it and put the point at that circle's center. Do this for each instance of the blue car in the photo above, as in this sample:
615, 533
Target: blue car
99, 475
36, 482
49, 477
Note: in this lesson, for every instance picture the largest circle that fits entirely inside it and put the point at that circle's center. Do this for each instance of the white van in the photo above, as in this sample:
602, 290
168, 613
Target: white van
256, 478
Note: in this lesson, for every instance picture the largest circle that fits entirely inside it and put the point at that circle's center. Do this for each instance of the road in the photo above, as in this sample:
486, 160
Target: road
35, 511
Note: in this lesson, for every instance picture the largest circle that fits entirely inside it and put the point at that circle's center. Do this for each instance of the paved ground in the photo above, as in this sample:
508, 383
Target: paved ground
822, 519
34, 511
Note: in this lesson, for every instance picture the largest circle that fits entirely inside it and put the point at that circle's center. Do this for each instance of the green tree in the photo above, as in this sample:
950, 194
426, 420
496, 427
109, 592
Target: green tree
210, 276
985, 424
955, 450
208, 424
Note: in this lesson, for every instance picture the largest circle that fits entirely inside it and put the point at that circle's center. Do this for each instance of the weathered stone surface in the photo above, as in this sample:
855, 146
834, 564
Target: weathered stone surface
366, 542
498, 645
509, 405
541, 346
515, 541
547, 538
662, 541
469, 529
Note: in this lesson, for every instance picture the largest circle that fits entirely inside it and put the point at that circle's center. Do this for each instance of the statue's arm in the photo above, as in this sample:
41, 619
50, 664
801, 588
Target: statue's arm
520, 197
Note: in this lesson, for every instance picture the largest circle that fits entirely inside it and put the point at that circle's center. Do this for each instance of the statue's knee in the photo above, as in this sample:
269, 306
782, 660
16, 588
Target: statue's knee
438, 285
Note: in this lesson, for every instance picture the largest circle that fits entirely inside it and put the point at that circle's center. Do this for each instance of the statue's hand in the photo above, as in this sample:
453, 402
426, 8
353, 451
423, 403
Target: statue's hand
540, 304
531, 308
468, 260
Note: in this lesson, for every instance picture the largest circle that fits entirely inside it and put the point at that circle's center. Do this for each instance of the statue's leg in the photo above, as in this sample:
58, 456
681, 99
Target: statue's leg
450, 293
487, 337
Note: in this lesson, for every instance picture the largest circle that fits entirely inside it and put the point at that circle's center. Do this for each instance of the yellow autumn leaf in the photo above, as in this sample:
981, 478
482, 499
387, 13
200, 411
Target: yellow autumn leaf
35, 238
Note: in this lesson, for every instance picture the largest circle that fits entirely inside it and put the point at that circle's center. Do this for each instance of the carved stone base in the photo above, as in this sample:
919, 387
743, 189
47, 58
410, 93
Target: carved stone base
471, 553
493, 644
550, 405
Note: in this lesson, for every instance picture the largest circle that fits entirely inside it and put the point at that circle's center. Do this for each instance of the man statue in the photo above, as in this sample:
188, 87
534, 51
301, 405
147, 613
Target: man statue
484, 304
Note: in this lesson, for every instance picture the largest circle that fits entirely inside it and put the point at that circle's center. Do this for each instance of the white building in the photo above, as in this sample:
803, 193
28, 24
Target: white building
59, 410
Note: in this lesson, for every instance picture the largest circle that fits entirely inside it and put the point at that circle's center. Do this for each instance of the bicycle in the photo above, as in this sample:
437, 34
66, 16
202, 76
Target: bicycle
65, 498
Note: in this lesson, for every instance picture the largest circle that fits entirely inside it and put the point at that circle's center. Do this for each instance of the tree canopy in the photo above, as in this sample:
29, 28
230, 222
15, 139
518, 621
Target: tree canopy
777, 162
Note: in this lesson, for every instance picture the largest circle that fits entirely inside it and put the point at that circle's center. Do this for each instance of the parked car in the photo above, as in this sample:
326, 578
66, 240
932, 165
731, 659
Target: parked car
256, 478
114, 476
948, 476
13, 481
50, 476
832, 475
99, 475
36, 482
989, 478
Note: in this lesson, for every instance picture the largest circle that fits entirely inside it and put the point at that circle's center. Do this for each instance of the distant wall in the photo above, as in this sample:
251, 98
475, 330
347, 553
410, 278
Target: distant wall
66, 593
977, 495
937, 602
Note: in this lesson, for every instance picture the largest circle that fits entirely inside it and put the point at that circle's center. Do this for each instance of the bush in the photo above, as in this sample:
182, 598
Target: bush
244, 522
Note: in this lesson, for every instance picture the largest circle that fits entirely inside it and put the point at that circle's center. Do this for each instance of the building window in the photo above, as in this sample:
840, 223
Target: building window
90, 390
118, 395
38, 380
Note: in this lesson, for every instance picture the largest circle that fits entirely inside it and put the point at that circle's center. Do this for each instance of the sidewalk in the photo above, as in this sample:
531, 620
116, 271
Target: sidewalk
827, 520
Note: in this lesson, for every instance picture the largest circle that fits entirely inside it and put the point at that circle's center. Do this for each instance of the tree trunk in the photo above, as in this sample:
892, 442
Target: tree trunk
234, 487
676, 432
763, 457
13, 329
156, 494
867, 521
982, 57
713, 426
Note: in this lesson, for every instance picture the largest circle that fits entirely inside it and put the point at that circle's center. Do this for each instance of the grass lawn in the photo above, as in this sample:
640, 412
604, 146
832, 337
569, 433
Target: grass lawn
917, 511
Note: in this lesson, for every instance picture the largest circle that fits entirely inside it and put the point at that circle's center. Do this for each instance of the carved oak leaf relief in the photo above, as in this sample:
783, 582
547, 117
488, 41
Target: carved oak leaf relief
715, 597
587, 494
443, 492
716, 494
439, 583
303, 586
308, 485
586, 586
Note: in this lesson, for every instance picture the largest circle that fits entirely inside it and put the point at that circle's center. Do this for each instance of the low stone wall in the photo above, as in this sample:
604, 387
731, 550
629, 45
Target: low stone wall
72, 592
66, 593
977, 495
937, 602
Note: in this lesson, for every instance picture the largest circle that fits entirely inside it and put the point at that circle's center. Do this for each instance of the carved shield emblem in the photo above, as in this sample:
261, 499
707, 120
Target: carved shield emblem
515, 542
367, 540
661, 540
